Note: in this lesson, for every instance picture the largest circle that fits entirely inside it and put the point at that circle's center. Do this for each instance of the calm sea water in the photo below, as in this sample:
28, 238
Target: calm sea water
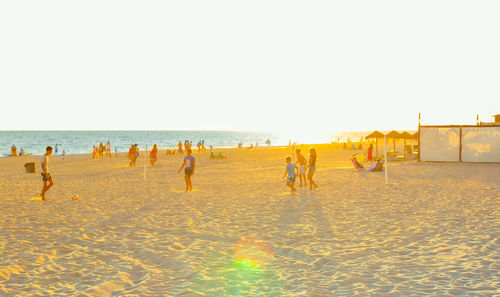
81, 142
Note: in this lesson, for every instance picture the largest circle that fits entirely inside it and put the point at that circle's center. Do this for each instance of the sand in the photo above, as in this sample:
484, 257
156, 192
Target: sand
241, 233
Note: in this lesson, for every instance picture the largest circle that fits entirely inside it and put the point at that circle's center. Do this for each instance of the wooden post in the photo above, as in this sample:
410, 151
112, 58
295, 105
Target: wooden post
386, 161
145, 161
460, 147
404, 148
418, 139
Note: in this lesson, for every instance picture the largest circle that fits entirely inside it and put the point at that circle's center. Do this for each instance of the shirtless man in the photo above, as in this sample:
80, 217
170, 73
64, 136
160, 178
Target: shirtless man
302, 167
46, 178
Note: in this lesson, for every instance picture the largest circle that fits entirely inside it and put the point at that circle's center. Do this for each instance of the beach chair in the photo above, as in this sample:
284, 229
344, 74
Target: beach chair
377, 166
357, 160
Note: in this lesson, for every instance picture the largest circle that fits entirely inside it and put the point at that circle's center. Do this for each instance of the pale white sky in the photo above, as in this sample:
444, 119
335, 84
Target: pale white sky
247, 65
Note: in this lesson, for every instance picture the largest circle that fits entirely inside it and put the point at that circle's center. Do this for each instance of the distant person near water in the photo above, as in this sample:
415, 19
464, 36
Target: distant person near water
46, 178
153, 155
133, 154
189, 166
312, 168
108, 149
180, 151
101, 150
291, 169
302, 167
13, 150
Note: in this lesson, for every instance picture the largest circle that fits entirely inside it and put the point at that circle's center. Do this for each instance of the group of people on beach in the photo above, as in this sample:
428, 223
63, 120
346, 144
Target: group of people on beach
299, 168
133, 154
102, 151
15, 153
304, 165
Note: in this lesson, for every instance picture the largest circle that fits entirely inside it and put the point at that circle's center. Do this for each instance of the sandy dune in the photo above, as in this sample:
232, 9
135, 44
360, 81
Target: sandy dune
241, 233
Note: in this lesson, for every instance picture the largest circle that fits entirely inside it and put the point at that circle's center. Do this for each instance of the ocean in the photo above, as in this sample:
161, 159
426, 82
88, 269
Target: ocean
81, 142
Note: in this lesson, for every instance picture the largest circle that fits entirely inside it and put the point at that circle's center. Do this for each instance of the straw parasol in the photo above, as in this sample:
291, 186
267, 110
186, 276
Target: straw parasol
405, 135
376, 135
394, 135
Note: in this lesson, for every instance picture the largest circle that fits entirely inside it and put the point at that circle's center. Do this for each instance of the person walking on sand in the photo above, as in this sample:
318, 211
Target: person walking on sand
46, 178
302, 167
291, 169
189, 166
153, 155
312, 168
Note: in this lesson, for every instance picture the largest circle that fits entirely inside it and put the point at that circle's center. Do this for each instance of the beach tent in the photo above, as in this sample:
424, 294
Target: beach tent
460, 143
376, 135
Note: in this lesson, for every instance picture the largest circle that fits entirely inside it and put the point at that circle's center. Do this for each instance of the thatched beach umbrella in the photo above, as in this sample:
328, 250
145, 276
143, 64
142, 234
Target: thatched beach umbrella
405, 135
376, 135
394, 135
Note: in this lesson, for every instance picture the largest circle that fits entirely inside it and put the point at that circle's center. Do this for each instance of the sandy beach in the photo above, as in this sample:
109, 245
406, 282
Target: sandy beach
433, 231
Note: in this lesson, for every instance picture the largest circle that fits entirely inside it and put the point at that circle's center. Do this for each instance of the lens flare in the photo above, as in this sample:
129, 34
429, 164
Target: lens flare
252, 251
245, 270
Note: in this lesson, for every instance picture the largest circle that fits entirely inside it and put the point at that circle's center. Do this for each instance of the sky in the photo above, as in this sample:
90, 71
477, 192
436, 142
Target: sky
306, 67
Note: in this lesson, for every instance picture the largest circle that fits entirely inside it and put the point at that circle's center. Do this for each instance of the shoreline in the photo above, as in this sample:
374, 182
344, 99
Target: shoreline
165, 148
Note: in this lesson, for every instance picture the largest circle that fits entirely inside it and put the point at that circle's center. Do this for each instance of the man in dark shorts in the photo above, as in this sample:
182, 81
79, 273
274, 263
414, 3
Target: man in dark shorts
46, 178
189, 165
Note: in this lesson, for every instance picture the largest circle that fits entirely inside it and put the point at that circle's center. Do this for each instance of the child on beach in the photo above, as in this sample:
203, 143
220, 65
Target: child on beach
291, 170
153, 155
302, 167
46, 178
189, 166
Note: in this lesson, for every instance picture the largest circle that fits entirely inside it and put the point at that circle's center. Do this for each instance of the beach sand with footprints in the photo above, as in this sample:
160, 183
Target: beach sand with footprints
241, 233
